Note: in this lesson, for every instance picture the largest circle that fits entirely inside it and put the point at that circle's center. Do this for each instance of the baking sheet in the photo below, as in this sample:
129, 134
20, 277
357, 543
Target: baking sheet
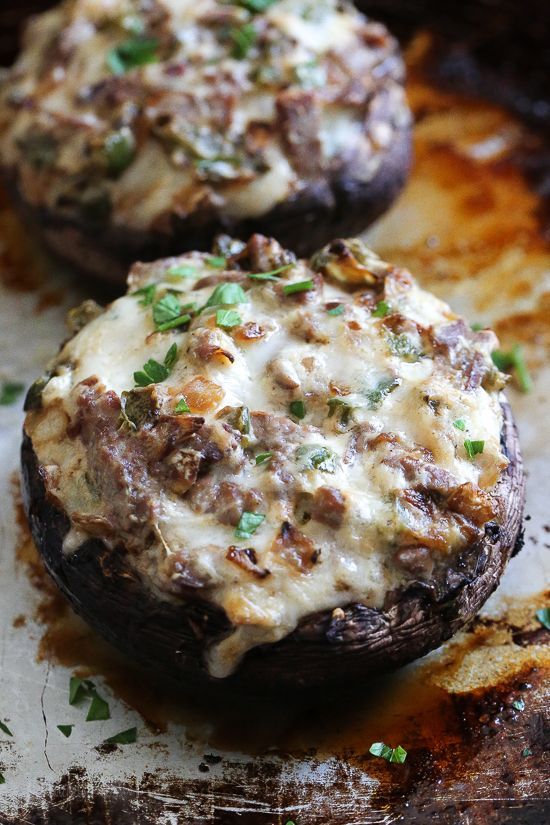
471, 228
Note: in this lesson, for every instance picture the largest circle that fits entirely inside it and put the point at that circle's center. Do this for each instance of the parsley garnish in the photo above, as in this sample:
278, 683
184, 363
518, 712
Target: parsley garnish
316, 457
2, 779
120, 150
169, 314
460, 424
228, 318
300, 286
397, 754
216, 262
402, 346
382, 389
298, 408
153, 372
543, 616
527, 752
248, 524
518, 704
10, 392
255, 6
66, 730
147, 294
242, 38
336, 310
125, 737
98, 710
4, 728
261, 458
344, 407
269, 276
473, 448
182, 406
382, 309
227, 294
131, 53
514, 360
81, 689
182, 271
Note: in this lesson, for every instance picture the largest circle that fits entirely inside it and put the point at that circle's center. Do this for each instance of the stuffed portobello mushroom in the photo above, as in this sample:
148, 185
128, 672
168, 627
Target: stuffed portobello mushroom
262, 472
136, 129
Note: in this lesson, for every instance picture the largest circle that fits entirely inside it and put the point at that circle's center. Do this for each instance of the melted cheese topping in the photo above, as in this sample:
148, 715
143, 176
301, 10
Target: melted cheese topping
139, 113
398, 401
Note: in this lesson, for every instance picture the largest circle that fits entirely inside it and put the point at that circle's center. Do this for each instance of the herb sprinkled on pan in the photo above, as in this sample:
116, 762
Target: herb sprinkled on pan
261, 458
153, 372
338, 310
473, 448
382, 309
132, 53
242, 38
4, 728
182, 406
300, 286
298, 409
460, 424
543, 616
66, 730
316, 457
248, 524
269, 276
514, 360
227, 294
125, 737
228, 318
146, 294
10, 392
383, 751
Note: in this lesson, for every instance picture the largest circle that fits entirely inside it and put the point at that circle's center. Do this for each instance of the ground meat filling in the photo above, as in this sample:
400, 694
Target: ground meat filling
275, 456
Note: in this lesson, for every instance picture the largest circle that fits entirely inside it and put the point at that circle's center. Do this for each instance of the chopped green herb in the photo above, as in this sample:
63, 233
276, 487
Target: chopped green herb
343, 406
216, 262
300, 286
98, 710
2, 779
166, 309
298, 408
514, 360
242, 421
460, 424
402, 346
131, 53
180, 321
242, 38
125, 737
182, 406
66, 730
4, 728
477, 327
182, 271
397, 754
543, 616
316, 457
382, 309
383, 388
227, 294
228, 318
336, 310
269, 276
120, 150
527, 752
153, 372
147, 294
261, 458
518, 704
255, 6
473, 448
79, 689
248, 524
10, 392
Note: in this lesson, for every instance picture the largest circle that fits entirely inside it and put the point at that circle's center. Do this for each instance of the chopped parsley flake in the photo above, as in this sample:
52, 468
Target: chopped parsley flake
243, 421
261, 458
248, 524
182, 271
397, 754
269, 276
227, 294
518, 704
402, 346
182, 406
120, 149
477, 327
216, 262
514, 360
527, 752
242, 38
132, 53
81, 689
125, 737
543, 616
300, 286
255, 6
382, 389
228, 318
382, 309
298, 408
98, 710
336, 310
2, 779
343, 406
153, 372
473, 448
10, 392
4, 728
460, 424
66, 730
316, 457
147, 294
166, 309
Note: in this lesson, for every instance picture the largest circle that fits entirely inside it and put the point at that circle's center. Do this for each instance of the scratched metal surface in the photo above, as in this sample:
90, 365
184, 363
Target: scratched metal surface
471, 227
